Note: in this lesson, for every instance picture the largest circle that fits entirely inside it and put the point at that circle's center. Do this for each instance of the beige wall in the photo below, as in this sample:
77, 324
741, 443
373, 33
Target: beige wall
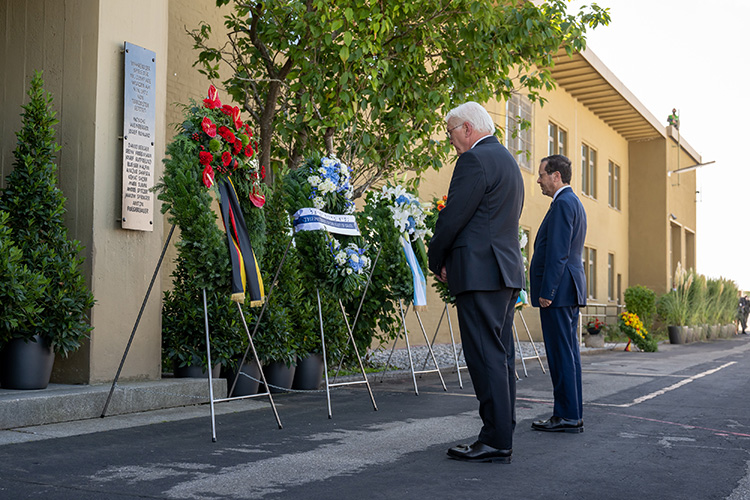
123, 260
648, 204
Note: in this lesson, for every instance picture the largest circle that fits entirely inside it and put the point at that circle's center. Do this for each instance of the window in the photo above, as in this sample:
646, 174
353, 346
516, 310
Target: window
588, 170
557, 140
589, 267
518, 131
611, 277
614, 186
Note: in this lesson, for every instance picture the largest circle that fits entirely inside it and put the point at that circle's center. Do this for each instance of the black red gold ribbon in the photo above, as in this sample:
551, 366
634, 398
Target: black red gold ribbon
246, 276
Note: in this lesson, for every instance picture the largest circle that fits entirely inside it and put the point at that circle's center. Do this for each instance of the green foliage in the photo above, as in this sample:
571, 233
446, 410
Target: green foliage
278, 339
21, 289
36, 208
697, 300
370, 81
674, 306
641, 300
290, 327
698, 297
183, 325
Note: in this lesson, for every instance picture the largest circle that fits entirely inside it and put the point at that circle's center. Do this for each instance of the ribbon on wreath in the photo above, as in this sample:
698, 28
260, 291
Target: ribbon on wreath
312, 219
420, 284
246, 276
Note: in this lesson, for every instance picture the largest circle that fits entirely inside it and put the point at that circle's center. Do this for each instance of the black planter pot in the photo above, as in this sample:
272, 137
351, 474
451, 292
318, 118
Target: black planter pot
196, 370
279, 376
677, 334
245, 386
309, 373
26, 365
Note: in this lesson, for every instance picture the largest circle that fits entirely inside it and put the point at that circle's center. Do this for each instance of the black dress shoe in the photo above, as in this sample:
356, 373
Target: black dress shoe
479, 452
558, 424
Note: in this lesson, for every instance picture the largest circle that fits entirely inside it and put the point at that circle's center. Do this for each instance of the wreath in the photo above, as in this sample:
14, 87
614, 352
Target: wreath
390, 214
631, 325
212, 145
337, 262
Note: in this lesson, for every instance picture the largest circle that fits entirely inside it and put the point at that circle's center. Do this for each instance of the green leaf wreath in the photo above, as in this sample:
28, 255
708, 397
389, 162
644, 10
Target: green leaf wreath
337, 262
212, 142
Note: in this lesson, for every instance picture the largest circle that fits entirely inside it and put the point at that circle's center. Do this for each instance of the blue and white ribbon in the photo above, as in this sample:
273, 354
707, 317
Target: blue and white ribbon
312, 219
420, 285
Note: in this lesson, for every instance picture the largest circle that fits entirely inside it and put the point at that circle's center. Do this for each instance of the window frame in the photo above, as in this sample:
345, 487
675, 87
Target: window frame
557, 139
589, 160
589, 269
519, 140
614, 173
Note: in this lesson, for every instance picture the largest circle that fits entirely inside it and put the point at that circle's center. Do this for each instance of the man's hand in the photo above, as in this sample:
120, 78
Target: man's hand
544, 302
443, 276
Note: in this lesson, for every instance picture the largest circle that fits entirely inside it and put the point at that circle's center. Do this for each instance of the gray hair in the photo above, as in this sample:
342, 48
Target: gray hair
475, 114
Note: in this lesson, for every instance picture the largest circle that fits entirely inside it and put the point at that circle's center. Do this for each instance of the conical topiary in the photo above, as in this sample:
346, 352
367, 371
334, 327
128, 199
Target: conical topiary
36, 207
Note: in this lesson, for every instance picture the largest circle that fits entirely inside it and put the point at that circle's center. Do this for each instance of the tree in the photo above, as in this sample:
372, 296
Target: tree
369, 80
36, 208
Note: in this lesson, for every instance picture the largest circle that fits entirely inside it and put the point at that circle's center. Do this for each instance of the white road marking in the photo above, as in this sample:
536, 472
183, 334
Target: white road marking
672, 387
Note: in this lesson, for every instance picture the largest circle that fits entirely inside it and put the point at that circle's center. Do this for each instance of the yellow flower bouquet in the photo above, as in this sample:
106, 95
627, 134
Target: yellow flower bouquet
632, 326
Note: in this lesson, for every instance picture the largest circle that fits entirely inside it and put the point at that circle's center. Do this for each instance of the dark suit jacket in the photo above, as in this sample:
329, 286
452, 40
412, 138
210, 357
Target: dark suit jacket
556, 270
476, 236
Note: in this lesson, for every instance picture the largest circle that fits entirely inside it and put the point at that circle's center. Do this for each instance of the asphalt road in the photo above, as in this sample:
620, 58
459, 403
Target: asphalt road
668, 425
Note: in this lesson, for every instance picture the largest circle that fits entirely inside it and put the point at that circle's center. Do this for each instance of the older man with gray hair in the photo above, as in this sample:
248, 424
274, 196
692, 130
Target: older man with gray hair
475, 250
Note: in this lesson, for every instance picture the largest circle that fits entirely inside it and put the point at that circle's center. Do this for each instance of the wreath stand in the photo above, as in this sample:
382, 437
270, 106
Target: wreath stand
456, 354
430, 353
533, 345
255, 356
350, 329
459, 367
208, 344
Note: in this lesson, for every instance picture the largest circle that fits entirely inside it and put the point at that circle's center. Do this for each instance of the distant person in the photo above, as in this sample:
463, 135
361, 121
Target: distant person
558, 287
674, 119
476, 250
743, 309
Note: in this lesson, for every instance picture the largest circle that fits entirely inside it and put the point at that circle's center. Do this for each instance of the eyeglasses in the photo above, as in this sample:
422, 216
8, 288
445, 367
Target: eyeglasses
448, 132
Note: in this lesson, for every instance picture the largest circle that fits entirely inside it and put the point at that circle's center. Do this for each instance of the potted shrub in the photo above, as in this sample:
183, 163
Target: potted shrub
21, 291
36, 207
674, 307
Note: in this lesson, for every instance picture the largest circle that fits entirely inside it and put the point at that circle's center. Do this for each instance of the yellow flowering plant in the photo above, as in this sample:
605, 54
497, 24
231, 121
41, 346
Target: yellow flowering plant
632, 326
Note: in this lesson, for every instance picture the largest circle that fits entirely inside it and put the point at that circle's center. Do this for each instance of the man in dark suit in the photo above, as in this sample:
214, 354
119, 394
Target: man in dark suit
558, 286
475, 250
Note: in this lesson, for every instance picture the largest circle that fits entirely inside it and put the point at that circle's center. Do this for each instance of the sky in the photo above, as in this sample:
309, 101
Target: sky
690, 55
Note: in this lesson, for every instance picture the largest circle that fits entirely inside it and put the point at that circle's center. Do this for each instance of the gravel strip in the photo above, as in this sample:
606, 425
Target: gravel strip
445, 357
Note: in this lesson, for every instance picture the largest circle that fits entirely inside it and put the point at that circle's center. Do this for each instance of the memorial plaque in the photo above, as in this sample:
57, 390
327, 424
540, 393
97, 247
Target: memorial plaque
138, 128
